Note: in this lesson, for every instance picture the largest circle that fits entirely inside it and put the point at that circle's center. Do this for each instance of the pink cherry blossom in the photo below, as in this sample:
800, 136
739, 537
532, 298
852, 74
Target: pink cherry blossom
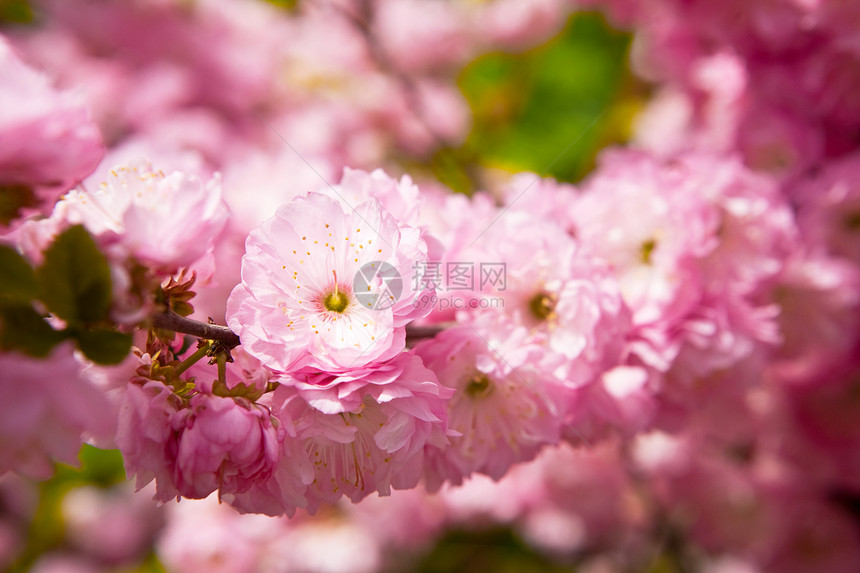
297, 306
817, 428
399, 197
580, 498
204, 536
145, 414
48, 140
646, 232
569, 300
111, 524
829, 208
543, 197
364, 432
207, 536
505, 407
690, 239
818, 298
223, 57
49, 408
194, 445
420, 34
520, 24
224, 444
407, 520
166, 220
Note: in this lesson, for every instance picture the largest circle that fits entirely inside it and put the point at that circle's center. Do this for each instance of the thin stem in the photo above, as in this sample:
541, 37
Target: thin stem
169, 320
192, 360
221, 360
228, 339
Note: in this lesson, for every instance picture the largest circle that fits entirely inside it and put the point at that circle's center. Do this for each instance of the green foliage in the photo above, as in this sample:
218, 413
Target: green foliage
21, 327
15, 11
74, 280
102, 468
150, 565
104, 346
74, 283
285, 4
13, 198
498, 550
24, 329
551, 109
17, 281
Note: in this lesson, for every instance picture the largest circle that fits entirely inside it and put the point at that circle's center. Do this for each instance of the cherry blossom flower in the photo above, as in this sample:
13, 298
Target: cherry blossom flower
112, 524
690, 239
48, 141
199, 443
166, 220
49, 408
569, 301
505, 407
366, 431
222, 443
143, 431
299, 306
829, 208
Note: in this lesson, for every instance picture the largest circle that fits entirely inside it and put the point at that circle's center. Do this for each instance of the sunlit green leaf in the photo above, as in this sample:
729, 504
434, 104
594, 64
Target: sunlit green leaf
286, 4
549, 110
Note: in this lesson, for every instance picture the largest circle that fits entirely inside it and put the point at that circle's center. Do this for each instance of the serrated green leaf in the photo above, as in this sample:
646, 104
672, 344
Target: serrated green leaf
17, 280
104, 346
74, 280
24, 329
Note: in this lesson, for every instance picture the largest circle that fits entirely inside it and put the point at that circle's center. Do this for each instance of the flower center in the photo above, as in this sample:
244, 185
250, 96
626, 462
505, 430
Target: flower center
336, 301
542, 305
478, 385
646, 250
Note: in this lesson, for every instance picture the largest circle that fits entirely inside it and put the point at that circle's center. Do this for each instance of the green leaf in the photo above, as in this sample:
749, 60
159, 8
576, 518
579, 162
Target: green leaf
17, 280
497, 549
74, 281
24, 329
104, 346
285, 4
17, 11
551, 109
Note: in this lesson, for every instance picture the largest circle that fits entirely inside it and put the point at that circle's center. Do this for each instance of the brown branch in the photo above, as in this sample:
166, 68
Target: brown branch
171, 321
415, 333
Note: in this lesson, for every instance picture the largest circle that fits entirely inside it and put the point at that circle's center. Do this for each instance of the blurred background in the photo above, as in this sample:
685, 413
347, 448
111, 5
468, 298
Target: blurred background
460, 94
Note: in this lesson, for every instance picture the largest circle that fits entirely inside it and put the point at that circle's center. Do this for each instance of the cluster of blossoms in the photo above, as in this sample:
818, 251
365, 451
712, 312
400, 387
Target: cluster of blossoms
672, 343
